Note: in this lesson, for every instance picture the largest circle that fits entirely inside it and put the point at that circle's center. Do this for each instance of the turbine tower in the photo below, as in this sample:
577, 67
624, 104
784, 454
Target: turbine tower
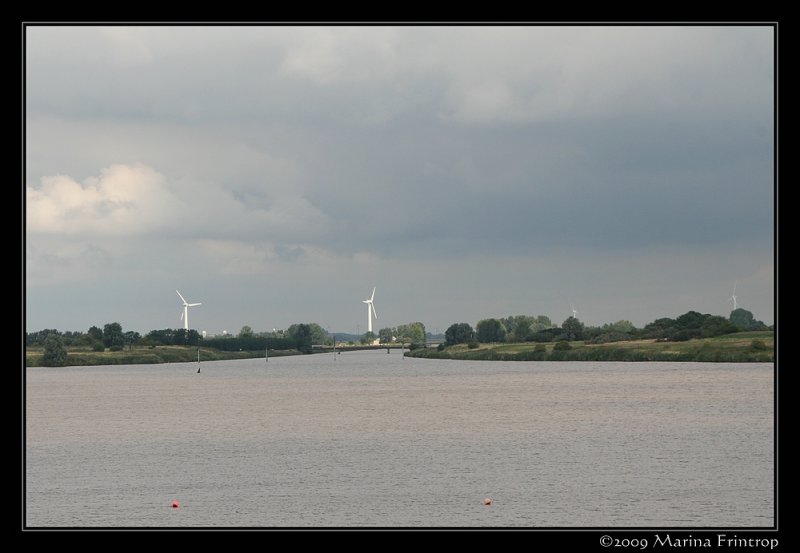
733, 296
370, 310
185, 313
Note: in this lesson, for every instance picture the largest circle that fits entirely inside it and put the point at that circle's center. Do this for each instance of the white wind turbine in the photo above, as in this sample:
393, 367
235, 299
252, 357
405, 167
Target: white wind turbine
574, 311
370, 310
185, 314
733, 296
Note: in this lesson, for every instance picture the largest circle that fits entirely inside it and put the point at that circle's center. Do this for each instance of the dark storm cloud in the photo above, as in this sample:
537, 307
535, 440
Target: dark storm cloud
256, 149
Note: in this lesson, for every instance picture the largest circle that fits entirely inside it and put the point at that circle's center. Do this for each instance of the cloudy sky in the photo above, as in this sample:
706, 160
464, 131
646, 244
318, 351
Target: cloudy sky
277, 174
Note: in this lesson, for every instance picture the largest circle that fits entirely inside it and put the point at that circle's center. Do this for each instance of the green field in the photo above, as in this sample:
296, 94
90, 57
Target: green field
735, 348
143, 355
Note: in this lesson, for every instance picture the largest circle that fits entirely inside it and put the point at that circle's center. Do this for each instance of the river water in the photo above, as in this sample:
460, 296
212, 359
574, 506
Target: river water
366, 439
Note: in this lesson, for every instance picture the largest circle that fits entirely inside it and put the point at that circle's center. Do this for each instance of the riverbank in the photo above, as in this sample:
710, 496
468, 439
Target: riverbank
148, 355
742, 347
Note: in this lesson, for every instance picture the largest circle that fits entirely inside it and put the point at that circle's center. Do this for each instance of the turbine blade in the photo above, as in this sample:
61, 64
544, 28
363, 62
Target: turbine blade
373, 309
181, 315
179, 295
373, 294
193, 304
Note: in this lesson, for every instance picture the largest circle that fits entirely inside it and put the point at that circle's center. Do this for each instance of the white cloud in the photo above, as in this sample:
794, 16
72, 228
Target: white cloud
124, 199
137, 200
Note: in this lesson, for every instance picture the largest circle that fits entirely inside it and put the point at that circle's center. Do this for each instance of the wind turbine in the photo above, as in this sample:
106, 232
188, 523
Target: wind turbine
574, 311
733, 296
370, 310
185, 314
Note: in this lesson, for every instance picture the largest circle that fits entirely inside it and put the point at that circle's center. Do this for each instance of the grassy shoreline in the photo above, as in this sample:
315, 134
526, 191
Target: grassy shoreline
78, 357
730, 348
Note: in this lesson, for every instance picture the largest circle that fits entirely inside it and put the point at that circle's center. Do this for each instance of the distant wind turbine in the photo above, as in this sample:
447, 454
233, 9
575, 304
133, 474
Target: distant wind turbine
370, 310
574, 311
733, 296
185, 314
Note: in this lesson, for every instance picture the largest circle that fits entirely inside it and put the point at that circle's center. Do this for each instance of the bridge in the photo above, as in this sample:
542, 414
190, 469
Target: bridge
358, 347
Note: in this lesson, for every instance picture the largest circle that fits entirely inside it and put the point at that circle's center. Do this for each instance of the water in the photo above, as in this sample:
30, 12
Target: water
375, 440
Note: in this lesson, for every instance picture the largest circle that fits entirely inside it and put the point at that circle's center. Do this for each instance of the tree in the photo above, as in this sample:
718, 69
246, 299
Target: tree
660, 328
544, 322
301, 334
131, 338
96, 334
521, 332
368, 337
385, 335
319, 335
490, 330
55, 354
192, 337
112, 335
413, 333
572, 329
691, 320
744, 320
246, 332
623, 327
458, 333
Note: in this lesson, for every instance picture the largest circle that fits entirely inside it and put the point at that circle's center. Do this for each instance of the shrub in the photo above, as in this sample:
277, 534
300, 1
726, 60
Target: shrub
98, 346
440, 347
563, 345
540, 348
115, 347
758, 345
473, 344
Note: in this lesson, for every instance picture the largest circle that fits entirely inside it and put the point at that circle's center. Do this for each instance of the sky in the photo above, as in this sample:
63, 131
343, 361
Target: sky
278, 174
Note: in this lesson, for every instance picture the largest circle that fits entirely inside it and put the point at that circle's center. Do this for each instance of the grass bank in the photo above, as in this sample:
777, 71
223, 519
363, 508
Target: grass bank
735, 348
148, 355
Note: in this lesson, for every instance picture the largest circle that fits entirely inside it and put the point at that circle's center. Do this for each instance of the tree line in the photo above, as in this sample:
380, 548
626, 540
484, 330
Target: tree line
523, 328
299, 336
302, 336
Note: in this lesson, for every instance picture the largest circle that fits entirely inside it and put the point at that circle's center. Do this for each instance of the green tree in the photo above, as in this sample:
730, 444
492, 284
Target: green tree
96, 334
55, 354
385, 335
458, 333
623, 327
246, 332
411, 333
661, 328
192, 337
521, 332
572, 329
301, 334
744, 320
132, 338
112, 335
319, 335
690, 320
543, 322
368, 337
490, 330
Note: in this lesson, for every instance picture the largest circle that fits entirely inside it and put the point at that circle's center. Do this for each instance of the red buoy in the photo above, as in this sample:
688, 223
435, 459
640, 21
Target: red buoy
175, 504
